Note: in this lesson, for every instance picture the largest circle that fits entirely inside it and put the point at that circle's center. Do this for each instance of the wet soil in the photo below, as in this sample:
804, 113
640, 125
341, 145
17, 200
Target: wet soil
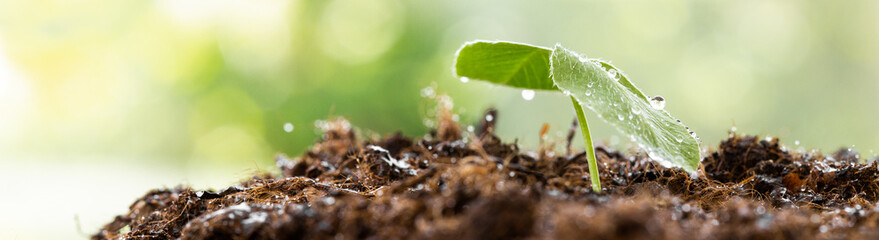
454, 184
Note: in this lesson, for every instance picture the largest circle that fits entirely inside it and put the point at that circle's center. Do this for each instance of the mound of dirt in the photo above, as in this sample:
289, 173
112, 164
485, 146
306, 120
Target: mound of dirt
451, 185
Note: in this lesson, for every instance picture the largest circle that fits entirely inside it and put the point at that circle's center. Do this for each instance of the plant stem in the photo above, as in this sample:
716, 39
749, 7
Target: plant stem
590, 150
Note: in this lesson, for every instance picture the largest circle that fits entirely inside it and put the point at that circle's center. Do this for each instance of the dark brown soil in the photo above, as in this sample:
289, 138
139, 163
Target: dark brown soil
453, 187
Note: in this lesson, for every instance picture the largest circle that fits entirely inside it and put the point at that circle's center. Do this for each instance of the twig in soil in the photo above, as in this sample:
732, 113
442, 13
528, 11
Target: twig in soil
571, 131
487, 123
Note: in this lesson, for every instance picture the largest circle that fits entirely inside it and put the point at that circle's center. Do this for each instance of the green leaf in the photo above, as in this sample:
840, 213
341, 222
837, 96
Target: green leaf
512, 64
604, 89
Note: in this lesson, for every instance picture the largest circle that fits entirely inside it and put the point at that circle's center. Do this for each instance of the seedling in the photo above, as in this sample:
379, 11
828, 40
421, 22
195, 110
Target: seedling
590, 83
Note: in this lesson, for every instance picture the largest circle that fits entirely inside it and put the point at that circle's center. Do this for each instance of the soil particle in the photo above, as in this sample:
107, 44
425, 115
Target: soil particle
462, 185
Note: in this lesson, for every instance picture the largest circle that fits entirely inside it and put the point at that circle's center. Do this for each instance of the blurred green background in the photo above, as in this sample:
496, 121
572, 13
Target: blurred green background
101, 101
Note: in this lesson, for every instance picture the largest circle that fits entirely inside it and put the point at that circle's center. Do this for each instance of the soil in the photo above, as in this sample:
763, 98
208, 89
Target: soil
454, 185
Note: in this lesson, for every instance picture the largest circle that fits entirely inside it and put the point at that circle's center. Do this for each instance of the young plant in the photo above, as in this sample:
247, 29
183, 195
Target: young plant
590, 83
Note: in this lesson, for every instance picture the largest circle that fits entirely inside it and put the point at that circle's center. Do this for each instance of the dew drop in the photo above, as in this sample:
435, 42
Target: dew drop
680, 140
620, 116
588, 93
465, 79
428, 123
489, 118
630, 116
589, 84
815, 218
470, 128
566, 92
797, 142
428, 92
528, 94
583, 59
329, 200
288, 127
657, 102
734, 128
612, 73
636, 111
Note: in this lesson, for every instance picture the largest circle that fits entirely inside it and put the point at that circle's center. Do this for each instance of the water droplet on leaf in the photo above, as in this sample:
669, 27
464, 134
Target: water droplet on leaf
658, 103
465, 79
612, 73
